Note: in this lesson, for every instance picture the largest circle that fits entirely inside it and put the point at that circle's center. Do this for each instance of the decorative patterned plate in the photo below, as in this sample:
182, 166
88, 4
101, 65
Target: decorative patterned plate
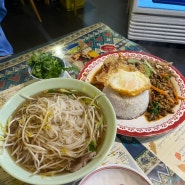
140, 127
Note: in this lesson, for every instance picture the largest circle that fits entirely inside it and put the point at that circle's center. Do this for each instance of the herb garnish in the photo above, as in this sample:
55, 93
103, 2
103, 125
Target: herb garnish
45, 65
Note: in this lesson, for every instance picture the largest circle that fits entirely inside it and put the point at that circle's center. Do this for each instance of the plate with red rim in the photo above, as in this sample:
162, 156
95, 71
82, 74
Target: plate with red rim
141, 127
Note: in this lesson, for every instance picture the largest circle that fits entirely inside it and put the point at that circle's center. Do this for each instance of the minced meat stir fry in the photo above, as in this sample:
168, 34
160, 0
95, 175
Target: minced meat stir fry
163, 96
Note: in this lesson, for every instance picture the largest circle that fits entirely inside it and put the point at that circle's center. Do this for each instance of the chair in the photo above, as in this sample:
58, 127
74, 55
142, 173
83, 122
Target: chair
35, 8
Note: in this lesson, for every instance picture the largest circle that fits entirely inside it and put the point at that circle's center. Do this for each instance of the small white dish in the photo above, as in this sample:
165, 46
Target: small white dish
115, 175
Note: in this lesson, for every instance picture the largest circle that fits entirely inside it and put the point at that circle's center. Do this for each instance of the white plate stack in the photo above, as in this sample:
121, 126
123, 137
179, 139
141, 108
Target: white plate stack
156, 24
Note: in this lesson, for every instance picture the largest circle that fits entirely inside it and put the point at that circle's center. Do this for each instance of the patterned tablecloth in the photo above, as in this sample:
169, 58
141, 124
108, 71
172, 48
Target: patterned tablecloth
14, 70
100, 39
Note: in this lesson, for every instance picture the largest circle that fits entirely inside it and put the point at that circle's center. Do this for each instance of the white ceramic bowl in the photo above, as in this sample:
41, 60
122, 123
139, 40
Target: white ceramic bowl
115, 175
8, 164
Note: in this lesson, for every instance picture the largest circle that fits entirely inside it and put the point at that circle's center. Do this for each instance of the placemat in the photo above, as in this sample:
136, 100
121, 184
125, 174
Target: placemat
13, 71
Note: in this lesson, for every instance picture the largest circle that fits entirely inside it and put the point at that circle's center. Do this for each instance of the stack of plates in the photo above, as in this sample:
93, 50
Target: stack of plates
156, 24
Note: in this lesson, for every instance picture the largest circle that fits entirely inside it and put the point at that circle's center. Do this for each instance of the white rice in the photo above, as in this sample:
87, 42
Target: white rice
127, 107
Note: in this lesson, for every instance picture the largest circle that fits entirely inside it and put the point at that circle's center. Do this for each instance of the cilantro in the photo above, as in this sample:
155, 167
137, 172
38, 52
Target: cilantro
45, 65
92, 146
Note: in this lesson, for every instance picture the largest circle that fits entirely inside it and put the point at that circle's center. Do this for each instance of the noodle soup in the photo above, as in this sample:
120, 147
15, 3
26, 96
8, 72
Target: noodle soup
56, 131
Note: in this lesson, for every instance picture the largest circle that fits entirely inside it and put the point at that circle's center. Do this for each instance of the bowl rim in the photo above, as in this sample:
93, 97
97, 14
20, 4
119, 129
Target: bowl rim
10, 106
113, 167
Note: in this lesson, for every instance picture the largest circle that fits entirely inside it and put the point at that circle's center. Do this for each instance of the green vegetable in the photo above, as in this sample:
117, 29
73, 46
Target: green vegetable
155, 108
132, 60
150, 67
92, 146
147, 70
44, 65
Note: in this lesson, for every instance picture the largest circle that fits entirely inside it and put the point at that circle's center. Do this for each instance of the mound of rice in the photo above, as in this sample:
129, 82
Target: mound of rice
127, 107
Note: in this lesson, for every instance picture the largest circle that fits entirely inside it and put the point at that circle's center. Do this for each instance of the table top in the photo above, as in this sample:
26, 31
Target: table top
101, 39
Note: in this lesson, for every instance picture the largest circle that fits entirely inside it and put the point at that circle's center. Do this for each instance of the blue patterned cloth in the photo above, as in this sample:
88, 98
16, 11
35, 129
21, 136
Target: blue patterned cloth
5, 46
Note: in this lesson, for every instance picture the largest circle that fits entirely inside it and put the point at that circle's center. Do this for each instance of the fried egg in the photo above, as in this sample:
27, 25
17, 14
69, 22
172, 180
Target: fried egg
123, 78
129, 83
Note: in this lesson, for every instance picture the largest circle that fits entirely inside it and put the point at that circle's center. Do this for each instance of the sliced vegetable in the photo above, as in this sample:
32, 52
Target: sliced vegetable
132, 60
151, 68
147, 70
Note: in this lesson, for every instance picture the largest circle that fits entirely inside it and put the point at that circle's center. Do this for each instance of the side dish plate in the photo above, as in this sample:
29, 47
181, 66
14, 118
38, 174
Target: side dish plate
115, 174
140, 127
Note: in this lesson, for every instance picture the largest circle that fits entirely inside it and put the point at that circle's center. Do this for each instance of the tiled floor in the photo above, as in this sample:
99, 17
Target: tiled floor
24, 31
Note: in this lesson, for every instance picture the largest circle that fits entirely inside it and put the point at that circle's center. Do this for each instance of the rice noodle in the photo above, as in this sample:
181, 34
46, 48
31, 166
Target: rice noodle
51, 131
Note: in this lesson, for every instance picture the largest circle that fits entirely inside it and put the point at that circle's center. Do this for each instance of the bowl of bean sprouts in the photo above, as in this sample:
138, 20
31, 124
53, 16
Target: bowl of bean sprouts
55, 131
